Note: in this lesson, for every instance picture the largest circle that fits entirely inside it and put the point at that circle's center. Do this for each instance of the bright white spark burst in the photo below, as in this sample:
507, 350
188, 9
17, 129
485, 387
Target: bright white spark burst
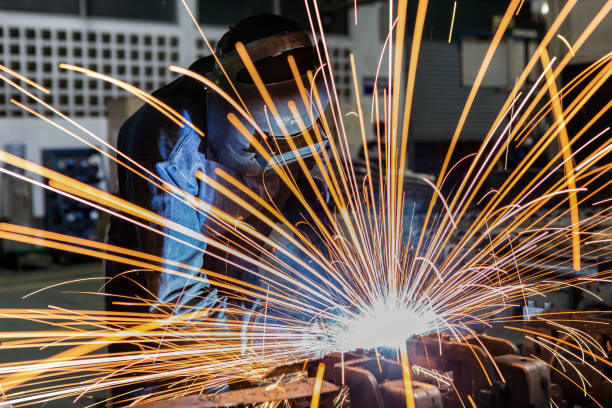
383, 324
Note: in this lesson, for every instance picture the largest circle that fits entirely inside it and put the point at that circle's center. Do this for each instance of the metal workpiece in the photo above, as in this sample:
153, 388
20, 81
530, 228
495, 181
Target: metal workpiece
554, 340
425, 395
509, 380
496, 346
469, 366
445, 374
527, 381
375, 382
297, 390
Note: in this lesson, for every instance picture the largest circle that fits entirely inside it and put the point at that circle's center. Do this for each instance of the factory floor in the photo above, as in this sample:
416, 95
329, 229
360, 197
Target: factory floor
15, 285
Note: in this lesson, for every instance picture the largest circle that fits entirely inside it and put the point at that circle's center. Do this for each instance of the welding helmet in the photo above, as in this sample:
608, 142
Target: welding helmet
269, 40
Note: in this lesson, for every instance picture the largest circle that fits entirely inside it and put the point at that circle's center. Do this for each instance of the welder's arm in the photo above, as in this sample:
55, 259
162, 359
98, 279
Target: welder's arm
298, 216
175, 293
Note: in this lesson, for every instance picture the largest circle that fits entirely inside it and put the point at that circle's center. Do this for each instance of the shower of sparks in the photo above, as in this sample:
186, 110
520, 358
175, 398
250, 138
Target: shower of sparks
382, 274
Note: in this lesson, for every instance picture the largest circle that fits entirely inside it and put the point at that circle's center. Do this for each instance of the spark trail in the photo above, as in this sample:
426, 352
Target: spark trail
373, 275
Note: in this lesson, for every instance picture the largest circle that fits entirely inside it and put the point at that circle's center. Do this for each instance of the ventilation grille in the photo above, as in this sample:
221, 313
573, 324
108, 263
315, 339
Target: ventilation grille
341, 67
141, 59
202, 49
340, 60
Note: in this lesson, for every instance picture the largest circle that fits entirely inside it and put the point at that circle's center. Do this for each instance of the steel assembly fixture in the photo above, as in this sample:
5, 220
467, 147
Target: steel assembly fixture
486, 371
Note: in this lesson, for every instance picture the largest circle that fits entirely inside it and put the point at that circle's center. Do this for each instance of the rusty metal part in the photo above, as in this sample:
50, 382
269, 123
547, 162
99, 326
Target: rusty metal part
375, 382
496, 346
527, 381
524, 382
472, 371
556, 395
254, 395
599, 329
448, 371
425, 395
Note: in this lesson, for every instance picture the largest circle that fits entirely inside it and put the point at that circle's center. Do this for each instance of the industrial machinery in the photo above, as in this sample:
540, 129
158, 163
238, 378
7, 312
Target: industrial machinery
445, 374
16, 205
591, 369
67, 216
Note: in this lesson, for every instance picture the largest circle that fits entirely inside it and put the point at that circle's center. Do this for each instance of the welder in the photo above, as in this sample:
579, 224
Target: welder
175, 154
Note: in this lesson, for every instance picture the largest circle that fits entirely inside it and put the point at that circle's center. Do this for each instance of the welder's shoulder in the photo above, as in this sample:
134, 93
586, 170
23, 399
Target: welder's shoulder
146, 134
149, 133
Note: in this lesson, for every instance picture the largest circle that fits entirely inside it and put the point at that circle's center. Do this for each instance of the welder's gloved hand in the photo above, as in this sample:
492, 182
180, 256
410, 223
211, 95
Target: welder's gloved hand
245, 329
258, 326
303, 220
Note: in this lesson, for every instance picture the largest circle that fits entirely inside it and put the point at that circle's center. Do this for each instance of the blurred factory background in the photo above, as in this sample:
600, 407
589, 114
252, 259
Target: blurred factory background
136, 41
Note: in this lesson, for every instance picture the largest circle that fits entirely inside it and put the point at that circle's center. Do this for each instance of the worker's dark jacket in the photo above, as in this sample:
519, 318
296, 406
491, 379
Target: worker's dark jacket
175, 154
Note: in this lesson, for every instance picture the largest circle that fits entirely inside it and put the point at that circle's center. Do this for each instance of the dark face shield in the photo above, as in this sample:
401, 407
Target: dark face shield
282, 153
283, 149
282, 136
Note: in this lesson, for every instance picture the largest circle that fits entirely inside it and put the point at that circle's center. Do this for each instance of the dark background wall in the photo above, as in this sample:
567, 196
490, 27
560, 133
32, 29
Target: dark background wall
55, 6
471, 15
211, 12
156, 10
